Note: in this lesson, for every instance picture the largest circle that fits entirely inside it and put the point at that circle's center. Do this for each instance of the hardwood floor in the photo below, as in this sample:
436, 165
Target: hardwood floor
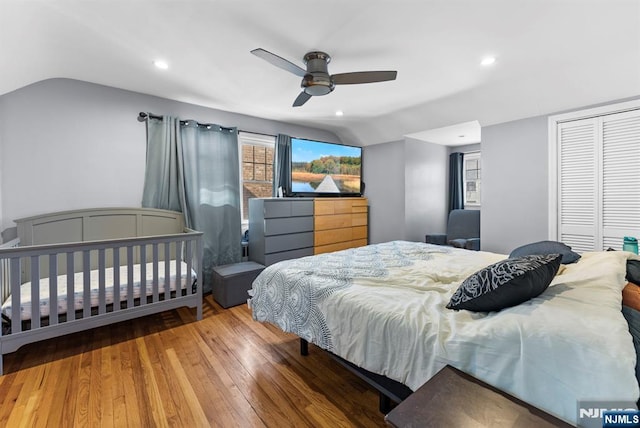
169, 370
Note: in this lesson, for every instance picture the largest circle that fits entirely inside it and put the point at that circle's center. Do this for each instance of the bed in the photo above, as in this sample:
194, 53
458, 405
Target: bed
75, 270
382, 308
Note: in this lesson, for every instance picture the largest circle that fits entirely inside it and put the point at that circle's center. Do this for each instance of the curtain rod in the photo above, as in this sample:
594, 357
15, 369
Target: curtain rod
142, 117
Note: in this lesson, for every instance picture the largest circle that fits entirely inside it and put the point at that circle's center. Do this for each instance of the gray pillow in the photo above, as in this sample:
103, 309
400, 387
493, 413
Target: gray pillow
633, 273
506, 283
547, 247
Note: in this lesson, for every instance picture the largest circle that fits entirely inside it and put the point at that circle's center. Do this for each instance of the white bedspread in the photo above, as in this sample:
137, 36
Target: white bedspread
78, 288
382, 307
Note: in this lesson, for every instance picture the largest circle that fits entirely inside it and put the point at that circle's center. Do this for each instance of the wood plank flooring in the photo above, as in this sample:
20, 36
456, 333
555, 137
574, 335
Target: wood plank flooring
169, 370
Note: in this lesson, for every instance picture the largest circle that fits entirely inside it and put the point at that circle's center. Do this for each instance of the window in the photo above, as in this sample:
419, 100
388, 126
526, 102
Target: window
256, 169
472, 179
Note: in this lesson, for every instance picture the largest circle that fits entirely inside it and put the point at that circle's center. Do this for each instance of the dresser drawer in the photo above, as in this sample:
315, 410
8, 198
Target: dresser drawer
283, 226
291, 241
272, 258
330, 236
275, 208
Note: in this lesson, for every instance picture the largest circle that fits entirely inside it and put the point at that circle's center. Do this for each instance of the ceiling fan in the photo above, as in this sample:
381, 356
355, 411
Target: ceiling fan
316, 79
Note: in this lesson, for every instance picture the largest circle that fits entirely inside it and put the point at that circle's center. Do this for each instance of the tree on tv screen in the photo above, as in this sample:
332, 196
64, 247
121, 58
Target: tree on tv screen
344, 165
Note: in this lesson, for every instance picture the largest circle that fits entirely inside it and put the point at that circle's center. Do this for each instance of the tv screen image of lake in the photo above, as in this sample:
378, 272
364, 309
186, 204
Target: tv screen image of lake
313, 171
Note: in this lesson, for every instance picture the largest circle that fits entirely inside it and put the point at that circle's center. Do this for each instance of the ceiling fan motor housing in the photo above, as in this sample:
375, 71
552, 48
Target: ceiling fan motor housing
317, 81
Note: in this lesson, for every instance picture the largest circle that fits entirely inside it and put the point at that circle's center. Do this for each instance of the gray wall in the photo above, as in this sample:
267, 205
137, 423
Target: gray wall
406, 187
425, 189
67, 144
514, 184
515, 174
384, 174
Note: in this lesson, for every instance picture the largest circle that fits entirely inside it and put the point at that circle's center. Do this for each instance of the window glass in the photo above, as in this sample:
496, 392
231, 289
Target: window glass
256, 156
472, 179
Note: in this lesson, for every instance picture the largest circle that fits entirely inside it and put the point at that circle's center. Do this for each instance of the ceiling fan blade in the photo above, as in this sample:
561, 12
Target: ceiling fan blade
279, 62
363, 77
302, 98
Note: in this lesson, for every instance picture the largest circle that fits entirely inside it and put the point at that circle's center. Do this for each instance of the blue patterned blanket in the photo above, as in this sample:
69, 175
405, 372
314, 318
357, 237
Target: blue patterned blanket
288, 293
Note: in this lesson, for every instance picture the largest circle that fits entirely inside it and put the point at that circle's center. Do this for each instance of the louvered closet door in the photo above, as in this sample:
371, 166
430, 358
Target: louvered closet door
620, 178
578, 184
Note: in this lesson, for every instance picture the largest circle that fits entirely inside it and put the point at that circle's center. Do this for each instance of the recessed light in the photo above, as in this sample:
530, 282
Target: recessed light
488, 60
162, 65
461, 136
339, 113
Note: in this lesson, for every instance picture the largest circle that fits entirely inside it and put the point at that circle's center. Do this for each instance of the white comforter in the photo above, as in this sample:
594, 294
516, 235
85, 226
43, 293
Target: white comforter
382, 307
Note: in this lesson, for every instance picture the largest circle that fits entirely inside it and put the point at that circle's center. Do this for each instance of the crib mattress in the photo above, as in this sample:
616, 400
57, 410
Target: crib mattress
78, 287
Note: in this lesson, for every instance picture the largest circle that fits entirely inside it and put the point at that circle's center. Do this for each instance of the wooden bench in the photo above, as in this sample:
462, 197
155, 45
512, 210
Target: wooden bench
455, 399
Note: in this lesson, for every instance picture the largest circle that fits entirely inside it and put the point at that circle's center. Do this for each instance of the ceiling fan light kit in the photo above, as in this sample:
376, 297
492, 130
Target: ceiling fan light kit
316, 79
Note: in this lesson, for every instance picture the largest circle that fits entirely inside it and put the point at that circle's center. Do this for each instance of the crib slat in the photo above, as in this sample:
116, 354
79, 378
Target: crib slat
35, 292
116, 279
102, 304
155, 272
86, 277
179, 284
167, 271
71, 289
16, 323
143, 274
189, 270
129, 277
5, 279
53, 290
5, 268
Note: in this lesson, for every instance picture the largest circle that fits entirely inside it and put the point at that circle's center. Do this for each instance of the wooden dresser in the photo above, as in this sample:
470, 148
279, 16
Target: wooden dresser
288, 228
339, 223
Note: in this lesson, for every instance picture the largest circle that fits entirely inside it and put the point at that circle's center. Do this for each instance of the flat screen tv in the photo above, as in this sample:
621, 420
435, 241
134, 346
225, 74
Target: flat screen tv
324, 169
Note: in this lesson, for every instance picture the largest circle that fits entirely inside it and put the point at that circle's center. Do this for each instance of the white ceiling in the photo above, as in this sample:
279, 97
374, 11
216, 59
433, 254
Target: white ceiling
454, 135
551, 55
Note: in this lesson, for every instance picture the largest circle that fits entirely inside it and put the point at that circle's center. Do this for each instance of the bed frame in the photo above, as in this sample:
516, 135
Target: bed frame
95, 239
389, 390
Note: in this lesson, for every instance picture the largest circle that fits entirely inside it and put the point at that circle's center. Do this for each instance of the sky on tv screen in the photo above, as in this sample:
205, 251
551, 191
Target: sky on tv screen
306, 150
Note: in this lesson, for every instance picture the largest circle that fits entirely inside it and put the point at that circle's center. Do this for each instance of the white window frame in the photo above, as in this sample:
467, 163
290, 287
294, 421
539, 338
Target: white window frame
553, 123
467, 156
256, 140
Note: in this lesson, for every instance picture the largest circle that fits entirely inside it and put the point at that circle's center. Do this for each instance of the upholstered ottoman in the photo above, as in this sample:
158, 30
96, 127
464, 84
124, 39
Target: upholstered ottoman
231, 282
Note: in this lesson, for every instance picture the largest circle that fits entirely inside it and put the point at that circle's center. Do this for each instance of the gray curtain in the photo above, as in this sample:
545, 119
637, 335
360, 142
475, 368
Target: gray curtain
162, 186
281, 163
456, 181
207, 182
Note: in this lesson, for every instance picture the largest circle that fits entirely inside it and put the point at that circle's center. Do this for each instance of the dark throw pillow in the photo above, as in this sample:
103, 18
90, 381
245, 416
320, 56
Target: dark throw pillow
633, 271
506, 283
547, 247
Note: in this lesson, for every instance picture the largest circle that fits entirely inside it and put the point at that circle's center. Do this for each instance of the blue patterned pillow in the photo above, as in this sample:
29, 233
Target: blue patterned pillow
506, 283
